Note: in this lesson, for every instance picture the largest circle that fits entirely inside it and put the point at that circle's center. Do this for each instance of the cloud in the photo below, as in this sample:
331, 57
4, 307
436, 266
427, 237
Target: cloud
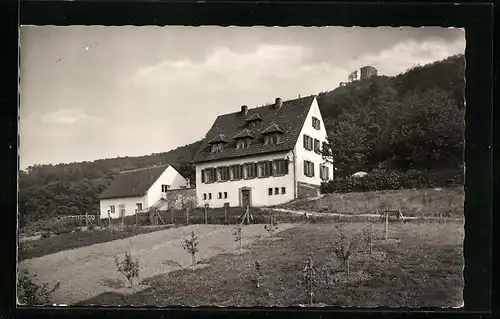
405, 54
224, 69
68, 116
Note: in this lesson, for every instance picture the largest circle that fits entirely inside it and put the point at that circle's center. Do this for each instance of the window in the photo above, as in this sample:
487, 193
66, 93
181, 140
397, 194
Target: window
204, 196
219, 196
276, 190
225, 194
316, 123
209, 195
223, 174
317, 148
308, 169
208, 175
324, 172
164, 188
270, 191
308, 143
280, 167
283, 190
112, 209
243, 143
236, 172
272, 139
251, 169
139, 206
265, 169
217, 147
122, 209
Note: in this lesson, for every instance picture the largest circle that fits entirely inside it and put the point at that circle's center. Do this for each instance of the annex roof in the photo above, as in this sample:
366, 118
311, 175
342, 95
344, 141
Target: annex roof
133, 183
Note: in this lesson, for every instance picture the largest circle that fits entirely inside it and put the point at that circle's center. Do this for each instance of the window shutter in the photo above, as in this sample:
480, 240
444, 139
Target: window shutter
286, 166
312, 169
319, 124
203, 176
305, 168
305, 141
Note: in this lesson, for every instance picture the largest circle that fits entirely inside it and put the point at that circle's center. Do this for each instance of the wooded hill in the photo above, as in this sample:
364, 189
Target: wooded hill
412, 121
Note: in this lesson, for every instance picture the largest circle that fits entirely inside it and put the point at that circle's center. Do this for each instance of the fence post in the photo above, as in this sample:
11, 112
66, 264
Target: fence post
205, 214
225, 213
386, 224
248, 214
187, 215
109, 217
136, 218
86, 219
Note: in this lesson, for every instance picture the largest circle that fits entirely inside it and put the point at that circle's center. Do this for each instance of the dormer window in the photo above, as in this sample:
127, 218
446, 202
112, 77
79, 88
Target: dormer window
253, 119
217, 143
217, 147
243, 138
273, 138
272, 134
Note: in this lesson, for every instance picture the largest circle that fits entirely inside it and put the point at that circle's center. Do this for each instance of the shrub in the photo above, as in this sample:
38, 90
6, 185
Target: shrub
393, 180
128, 267
32, 293
238, 236
271, 226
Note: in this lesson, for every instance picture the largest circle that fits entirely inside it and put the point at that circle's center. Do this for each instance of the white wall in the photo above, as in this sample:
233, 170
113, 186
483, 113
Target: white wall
303, 154
259, 186
129, 202
169, 177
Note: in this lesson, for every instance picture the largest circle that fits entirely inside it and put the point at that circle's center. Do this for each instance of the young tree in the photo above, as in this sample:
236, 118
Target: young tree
191, 246
272, 226
309, 276
238, 236
344, 246
128, 267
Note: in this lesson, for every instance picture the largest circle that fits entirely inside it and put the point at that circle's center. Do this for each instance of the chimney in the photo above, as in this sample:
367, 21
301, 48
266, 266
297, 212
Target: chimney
278, 103
244, 110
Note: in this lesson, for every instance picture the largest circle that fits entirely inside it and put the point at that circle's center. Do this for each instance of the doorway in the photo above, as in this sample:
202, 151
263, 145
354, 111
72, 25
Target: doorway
245, 197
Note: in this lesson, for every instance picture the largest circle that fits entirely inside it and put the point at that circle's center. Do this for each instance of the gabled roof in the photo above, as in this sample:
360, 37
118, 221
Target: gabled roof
219, 138
133, 183
254, 117
290, 118
273, 128
244, 133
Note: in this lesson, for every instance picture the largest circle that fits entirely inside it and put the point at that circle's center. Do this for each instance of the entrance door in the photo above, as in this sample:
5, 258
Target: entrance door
245, 197
122, 210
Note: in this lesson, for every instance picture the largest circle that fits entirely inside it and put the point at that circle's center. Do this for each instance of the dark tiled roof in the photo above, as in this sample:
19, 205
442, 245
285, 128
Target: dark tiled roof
218, 139
289, 117
254, 117
243, 134
133, 183
273, 128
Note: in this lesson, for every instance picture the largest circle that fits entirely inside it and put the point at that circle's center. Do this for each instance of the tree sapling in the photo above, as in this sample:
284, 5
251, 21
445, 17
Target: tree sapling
309, 275
191, 246
272, 226
128, 267
238, 236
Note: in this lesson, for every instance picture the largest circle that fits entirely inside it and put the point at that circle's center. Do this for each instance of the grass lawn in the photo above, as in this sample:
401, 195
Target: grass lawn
412, 202
423, 269
56, 243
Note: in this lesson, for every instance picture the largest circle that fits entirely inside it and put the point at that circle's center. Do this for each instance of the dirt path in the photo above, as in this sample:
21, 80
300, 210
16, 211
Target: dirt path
83, 272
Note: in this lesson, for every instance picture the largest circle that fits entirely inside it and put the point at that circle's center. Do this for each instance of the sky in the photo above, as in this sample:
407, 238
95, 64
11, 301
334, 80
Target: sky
93, 92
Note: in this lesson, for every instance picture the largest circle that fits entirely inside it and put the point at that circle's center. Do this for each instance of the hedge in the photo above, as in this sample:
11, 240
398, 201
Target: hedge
393, 180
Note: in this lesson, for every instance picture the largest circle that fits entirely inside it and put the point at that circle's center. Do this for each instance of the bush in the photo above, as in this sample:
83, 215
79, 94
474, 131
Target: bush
394, 180
32, 293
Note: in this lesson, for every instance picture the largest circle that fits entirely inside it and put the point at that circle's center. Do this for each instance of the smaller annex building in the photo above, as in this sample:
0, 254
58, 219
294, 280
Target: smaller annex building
140, 190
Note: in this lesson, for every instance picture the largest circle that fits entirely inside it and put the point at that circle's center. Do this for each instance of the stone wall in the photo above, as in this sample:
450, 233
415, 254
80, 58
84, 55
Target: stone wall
305, 190
179, 199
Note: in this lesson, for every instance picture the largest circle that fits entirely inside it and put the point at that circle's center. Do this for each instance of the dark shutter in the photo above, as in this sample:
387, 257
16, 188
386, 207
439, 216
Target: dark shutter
241, 171
270, 171
319, 124
312, 169
305, 168
305, 142
203, 176
286, 166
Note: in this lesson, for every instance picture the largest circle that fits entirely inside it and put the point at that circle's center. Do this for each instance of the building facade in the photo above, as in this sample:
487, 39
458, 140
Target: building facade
139, 190
262, 156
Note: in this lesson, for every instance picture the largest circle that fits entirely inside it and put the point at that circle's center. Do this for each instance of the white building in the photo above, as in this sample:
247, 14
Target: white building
139, 190
263, 156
